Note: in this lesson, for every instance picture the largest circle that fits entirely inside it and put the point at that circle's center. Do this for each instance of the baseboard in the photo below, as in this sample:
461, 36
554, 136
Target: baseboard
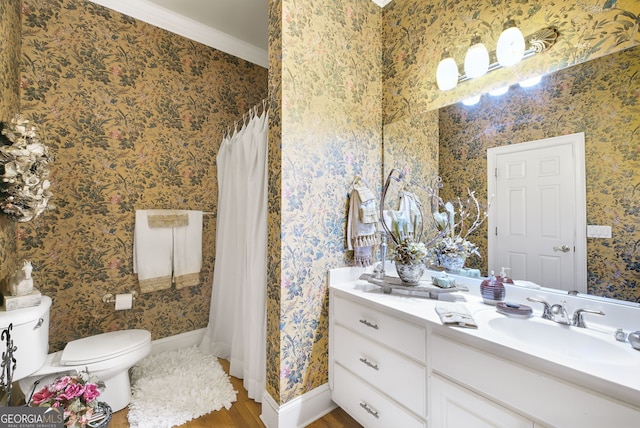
299, 412
182, 340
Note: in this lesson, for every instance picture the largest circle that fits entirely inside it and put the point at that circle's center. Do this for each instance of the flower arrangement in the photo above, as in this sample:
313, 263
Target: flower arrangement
24, 170
452, 223
410, 252
76, 395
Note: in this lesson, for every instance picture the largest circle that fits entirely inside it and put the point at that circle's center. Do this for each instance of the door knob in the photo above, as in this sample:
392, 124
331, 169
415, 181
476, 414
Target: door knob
564, 249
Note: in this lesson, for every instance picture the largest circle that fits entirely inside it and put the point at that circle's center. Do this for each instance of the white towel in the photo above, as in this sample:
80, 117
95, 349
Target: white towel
456, 314
187, 251
152, 254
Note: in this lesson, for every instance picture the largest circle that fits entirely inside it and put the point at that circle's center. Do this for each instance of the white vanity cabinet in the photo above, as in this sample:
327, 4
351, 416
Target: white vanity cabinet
377, 369
467, 382
453, 406
393, 364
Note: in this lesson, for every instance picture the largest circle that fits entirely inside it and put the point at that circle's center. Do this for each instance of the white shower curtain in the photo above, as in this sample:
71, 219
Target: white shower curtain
237, 319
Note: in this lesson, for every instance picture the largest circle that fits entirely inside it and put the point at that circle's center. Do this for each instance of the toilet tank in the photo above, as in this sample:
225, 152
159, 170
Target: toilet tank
30, 335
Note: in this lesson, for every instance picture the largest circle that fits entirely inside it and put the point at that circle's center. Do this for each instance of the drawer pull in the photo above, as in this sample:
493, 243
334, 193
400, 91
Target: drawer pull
368, 363
369, 410
368, 324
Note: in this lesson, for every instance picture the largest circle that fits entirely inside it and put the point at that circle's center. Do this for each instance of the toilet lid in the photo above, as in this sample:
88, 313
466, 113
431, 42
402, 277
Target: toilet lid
103, 346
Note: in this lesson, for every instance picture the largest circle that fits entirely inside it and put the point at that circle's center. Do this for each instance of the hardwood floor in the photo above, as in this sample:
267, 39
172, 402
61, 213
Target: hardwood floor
244, 413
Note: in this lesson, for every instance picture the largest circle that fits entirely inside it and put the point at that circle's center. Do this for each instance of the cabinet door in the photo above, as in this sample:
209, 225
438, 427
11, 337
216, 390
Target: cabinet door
453, 406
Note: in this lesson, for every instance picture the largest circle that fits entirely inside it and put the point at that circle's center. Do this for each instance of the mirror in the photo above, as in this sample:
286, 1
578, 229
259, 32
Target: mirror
601, 98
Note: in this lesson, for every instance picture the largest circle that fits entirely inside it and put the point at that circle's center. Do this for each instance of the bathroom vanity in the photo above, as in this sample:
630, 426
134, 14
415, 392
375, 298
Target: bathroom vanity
393, 363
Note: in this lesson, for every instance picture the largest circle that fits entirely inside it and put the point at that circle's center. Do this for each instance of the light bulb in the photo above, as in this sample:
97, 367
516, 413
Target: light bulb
511, 45
530, 82
447, 73
499, 91
471, 101
476, 62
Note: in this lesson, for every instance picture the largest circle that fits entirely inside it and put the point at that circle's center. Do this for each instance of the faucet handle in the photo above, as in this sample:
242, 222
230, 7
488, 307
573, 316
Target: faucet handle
578, 320
559, 313
546, 312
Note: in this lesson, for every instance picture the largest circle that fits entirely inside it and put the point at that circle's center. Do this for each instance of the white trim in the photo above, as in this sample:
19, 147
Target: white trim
299, 412
178, 341
153, 14
577, 142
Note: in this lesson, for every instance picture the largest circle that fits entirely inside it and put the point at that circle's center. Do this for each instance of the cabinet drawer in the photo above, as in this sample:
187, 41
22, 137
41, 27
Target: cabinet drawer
402, 335
390, 372
368, 406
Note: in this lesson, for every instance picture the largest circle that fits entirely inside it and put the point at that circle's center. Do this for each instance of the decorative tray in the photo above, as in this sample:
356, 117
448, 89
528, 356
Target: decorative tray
390, 283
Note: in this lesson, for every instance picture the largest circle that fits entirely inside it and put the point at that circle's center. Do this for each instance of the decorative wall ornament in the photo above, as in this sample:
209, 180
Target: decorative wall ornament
25, 167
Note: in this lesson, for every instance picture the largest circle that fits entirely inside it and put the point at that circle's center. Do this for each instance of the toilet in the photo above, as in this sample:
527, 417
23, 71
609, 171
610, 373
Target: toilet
107, 356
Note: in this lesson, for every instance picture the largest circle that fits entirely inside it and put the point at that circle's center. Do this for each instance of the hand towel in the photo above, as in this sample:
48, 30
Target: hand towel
412, 208
362, 223
167, 218
152, 254
456, 314
187, 251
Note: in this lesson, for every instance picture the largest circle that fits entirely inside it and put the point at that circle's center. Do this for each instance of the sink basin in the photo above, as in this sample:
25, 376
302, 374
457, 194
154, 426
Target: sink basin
562, 340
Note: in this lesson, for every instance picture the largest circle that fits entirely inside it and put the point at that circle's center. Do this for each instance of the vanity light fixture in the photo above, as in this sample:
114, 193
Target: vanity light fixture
476, 61
530, 82
511, 45
471, 101
499, 91
447, 73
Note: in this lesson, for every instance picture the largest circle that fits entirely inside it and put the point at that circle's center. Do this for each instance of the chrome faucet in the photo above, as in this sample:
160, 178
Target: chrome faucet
578, 321
546, 311
558, 313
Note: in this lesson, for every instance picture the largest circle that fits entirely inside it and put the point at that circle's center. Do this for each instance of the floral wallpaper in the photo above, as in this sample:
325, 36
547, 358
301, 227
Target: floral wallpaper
600, 98
419, 31
274, 228
9, 106
133, 115
330, 131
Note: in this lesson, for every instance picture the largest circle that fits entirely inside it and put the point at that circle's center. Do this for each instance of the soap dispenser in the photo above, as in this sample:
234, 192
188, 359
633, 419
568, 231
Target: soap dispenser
503, 277
492, 290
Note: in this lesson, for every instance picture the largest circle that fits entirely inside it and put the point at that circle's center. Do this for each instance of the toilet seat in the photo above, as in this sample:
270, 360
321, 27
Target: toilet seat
103, 347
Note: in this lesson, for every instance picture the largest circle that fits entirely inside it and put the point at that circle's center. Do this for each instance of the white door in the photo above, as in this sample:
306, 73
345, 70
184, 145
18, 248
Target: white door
537, 224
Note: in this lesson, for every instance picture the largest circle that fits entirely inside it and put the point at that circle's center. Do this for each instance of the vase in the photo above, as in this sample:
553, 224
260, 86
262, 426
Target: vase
104, 409
410, 274
452, 263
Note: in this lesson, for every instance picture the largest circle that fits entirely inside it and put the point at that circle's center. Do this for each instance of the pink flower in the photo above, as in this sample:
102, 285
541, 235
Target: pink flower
61, 383
91, 392
41, 396
73, 390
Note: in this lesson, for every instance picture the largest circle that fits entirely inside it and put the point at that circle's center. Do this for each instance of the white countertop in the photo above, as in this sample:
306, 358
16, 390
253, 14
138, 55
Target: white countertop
619, 380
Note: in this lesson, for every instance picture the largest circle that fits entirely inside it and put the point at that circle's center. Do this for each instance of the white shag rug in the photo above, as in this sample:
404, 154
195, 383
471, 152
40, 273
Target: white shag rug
174, 387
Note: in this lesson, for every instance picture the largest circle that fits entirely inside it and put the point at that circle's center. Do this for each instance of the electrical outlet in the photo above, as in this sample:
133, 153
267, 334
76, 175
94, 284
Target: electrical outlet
596, 231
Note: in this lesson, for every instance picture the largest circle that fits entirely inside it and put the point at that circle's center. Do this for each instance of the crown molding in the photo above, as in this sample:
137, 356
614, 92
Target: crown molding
163, 18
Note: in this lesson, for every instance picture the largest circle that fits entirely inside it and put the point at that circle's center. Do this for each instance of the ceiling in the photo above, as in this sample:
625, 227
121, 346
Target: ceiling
237, 27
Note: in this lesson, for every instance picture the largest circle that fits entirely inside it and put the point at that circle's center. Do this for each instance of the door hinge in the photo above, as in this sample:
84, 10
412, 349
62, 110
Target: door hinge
496, 231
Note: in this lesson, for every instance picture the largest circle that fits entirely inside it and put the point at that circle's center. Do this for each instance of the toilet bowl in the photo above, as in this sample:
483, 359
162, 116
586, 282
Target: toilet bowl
107, 356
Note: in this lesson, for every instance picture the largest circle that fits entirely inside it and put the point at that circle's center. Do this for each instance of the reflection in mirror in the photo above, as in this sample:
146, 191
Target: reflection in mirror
600, 98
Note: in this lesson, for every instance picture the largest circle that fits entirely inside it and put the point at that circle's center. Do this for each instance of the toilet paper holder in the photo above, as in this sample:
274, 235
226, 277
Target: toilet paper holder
111, 298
